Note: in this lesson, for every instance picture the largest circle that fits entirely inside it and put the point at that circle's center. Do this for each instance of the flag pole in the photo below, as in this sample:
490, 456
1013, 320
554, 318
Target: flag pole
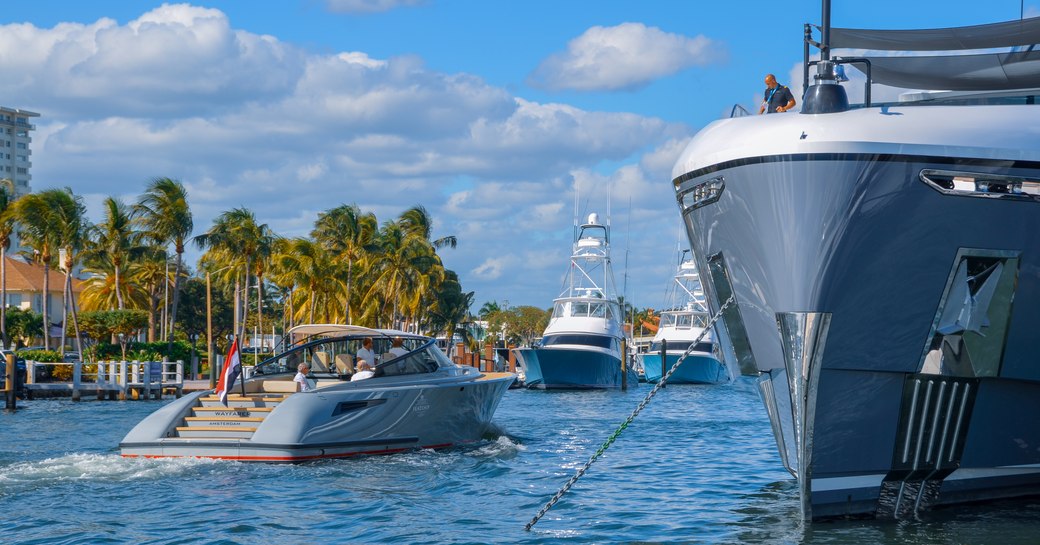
243, 369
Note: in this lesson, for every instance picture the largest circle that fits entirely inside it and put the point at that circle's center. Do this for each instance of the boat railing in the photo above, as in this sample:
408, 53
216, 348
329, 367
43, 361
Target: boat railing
739, 111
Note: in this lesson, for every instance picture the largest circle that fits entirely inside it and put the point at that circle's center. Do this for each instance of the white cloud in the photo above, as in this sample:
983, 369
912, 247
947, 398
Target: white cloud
246, 120
173, 61
625, 56
369, 6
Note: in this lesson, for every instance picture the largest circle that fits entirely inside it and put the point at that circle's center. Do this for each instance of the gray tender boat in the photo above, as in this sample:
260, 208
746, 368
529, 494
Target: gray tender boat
417, 400
884, 263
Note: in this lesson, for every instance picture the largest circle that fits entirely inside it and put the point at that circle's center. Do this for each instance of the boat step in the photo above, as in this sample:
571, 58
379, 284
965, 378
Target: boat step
242, 402
222, 421
216, 432
233, 411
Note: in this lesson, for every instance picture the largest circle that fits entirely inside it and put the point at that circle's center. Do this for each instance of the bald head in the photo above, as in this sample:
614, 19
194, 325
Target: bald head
770, 81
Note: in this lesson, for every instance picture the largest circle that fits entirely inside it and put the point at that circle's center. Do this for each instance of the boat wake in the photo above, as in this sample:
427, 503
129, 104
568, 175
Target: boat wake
87, 468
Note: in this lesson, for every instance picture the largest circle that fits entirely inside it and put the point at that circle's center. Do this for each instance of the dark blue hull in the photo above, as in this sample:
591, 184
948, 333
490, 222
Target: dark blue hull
572, 369
695, 369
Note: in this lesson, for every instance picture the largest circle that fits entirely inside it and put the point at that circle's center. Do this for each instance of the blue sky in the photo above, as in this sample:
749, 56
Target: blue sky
487, 113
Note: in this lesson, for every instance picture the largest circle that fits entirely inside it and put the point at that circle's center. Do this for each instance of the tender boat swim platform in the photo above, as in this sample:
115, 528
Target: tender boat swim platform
415, 401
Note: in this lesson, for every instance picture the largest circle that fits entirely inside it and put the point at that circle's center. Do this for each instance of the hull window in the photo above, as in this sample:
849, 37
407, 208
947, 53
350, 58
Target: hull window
970, 327
702, 194
977, 184
585, 340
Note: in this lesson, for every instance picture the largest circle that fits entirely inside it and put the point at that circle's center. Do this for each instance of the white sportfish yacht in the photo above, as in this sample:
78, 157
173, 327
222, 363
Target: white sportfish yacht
681, 324
581, 347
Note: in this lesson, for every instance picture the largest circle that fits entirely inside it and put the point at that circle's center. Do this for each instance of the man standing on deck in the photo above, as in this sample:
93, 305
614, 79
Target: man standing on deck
777, 98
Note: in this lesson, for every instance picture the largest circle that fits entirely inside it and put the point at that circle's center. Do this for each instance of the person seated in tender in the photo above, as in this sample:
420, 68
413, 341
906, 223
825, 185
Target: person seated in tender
302, 383
364, 370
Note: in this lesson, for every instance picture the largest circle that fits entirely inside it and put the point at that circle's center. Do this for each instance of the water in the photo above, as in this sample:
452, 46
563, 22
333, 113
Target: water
698, 466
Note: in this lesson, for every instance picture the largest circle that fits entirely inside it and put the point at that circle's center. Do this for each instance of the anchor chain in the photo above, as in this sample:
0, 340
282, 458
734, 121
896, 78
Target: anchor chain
660, 384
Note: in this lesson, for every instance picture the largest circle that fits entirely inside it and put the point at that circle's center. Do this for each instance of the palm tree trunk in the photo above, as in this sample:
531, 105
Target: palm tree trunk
75, 325
119, 292
46, 297
3, 295
238, 304
64, 308
260, 305
176, 297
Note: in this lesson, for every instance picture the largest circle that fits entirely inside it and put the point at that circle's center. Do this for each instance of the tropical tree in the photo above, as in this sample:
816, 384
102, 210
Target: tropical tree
451, 308
40, 231
71, 217
114, 245
164, 215
404, 267
7, 196
347, 234
416, 221
309, 271
237, 239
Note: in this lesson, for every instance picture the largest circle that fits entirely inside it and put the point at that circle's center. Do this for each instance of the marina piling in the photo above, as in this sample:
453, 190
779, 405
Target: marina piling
664, 358
624, 366
77, 377
11, 383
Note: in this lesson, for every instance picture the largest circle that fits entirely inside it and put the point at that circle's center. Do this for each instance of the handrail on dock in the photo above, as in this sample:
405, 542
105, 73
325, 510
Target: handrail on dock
116, 379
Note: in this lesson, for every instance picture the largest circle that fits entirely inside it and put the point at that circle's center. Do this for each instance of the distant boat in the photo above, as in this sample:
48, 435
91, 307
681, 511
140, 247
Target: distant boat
581, 347
680, 325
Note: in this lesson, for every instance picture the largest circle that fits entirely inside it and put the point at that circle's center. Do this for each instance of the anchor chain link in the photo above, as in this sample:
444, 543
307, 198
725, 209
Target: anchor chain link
610, 440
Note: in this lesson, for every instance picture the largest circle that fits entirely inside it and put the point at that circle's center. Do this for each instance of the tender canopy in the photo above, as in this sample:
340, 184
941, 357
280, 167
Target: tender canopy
973, 72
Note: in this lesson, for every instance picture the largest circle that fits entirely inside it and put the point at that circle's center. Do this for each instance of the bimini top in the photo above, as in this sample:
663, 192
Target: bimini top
342, 330
969, 72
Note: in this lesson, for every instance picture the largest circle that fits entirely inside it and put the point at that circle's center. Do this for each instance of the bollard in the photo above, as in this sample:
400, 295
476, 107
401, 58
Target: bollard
512, 359
489, 355
77, 376
624, 366
122, 380
664, 360
11, 383
147, 389
179, 391
30, 372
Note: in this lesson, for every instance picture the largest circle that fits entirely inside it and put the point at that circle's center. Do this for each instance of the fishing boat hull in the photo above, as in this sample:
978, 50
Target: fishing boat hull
892, 380
573, 369
335, 421
697, 368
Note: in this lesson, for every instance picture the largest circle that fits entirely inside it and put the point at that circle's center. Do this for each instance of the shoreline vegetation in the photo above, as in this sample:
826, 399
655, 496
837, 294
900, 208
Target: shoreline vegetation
132, 285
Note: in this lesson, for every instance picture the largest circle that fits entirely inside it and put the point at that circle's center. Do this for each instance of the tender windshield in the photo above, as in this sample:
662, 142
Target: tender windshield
426, 360
333, 356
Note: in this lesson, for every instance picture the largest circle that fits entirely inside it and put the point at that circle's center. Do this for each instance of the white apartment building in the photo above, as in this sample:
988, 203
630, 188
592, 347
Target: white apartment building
14, 148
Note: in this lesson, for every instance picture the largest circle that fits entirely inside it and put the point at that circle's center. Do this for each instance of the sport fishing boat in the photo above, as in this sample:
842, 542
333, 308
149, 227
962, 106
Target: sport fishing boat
680, 326
884, 268
416, 400
581, 347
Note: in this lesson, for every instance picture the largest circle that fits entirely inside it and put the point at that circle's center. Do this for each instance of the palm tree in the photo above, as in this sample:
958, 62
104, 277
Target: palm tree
347, 234
114, 245
307, 268
416, 221
41, 232
405, 266
165, 216
7, 196
236, 233
70, 215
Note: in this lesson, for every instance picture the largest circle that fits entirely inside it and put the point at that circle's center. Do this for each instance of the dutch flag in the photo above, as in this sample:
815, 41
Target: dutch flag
232, 368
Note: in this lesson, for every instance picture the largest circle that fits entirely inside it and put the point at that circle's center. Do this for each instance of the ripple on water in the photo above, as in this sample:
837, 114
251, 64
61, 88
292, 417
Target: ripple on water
698, 465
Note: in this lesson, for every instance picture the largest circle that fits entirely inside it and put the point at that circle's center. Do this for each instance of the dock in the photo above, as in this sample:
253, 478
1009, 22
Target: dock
114, 380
